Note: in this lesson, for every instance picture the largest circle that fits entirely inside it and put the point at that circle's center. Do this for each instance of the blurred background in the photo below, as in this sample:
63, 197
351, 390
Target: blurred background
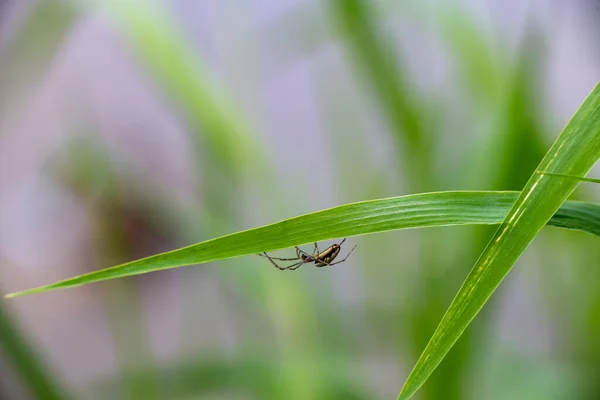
129, 128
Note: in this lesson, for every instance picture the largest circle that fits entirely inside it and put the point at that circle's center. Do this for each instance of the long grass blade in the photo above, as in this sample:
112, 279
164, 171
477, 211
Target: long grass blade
25, 60
185, 76
377, 64
405, 212
32, 371
574, 153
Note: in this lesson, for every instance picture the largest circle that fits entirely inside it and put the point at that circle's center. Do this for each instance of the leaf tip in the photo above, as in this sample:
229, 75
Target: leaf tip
23, 293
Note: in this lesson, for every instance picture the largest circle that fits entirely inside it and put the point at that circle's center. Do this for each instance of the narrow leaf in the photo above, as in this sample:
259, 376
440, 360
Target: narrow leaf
33, 372
574, 153
379, 65
579, 178
413, 211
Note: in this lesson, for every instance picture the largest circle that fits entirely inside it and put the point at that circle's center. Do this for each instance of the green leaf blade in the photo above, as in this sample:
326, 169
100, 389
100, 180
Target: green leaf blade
405, 212
574, 153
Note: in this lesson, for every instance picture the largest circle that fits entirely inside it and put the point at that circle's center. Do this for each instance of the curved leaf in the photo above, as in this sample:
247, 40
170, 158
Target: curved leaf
413, 211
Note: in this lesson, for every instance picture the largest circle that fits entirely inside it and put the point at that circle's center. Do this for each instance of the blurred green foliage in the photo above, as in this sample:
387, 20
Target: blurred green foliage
482, 129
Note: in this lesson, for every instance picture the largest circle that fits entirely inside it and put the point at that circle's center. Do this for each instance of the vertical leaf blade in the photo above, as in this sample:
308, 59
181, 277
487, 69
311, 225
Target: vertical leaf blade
376, 62
574, 153
34, 374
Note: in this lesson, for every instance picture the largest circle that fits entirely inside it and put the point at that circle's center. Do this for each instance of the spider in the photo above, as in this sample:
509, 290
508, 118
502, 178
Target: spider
321, 259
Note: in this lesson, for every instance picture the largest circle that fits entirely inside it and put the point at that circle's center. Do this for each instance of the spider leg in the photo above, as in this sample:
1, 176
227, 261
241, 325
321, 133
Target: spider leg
316, 251
296, 266
293, 267
271, 261
301, 251
278, 258
282, 268
347, 255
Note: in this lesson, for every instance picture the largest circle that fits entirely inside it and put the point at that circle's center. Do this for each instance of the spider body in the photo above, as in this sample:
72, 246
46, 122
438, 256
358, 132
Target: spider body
319, 258
325, 257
